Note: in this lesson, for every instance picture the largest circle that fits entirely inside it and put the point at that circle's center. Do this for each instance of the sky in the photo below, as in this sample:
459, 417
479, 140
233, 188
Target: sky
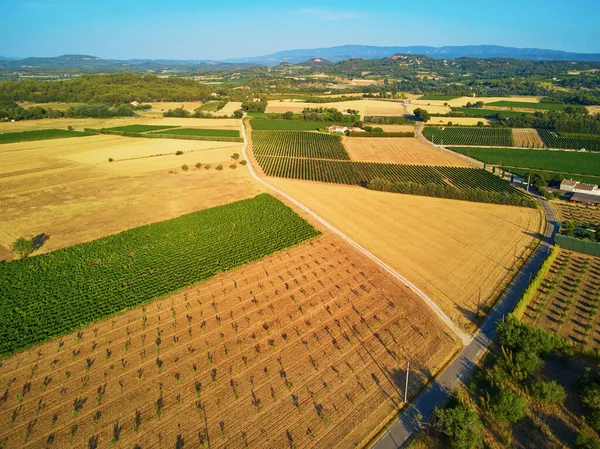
200, 29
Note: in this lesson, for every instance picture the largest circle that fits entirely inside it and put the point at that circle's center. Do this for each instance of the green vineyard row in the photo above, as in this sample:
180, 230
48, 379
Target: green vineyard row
52, 294
501, 137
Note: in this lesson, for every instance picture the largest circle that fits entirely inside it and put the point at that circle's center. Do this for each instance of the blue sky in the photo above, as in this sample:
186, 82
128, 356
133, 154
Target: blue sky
198, 29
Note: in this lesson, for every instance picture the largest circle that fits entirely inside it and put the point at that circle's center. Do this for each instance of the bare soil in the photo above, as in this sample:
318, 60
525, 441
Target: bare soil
305, 348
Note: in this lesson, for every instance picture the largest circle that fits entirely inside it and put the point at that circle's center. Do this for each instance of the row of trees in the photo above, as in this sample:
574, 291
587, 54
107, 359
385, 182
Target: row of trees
571, 119
12, 111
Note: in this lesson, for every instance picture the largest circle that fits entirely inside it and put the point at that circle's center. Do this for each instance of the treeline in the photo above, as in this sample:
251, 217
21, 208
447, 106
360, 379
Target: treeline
446, 191
389, 120
570, 119
328, 115
12, 111
198, 113
108, 89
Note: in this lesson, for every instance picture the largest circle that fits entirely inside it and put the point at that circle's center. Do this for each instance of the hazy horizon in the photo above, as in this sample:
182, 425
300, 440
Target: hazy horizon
184, 29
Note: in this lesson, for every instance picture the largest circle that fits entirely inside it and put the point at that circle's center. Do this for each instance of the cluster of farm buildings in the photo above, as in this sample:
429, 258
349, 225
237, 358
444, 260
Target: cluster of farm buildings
582, 192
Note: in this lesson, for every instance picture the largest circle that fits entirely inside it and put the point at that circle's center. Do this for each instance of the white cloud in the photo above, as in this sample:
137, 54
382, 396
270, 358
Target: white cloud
327, 14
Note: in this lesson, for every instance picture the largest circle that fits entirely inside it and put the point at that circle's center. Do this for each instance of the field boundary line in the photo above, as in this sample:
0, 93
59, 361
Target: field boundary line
464, 337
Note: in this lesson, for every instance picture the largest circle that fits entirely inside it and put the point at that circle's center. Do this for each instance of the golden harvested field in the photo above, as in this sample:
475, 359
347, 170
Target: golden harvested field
394, 128
306, 348
461, 101
57, 106
431, 108
594, 109
230, 107
401, 150
448, 248
80, 123
365, 107
164, 106
66, 188
527, 138
469, 121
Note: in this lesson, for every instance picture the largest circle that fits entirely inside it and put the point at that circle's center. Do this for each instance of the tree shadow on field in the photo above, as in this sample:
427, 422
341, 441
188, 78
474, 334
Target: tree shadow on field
39, 240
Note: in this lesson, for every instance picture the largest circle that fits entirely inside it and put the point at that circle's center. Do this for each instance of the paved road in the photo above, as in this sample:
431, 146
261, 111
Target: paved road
462, 336
407, 423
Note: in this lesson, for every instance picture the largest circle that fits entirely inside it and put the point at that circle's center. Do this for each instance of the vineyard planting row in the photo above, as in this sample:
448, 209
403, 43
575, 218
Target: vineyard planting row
555, 140
470, 136
48, 295
361, 173
298, 144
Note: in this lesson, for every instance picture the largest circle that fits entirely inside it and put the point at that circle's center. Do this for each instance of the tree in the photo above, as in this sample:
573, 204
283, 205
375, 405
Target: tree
549, 392
422, 115
184, 167
235, 156
461, 425
238, 113
289, 115
23, 247
508, 407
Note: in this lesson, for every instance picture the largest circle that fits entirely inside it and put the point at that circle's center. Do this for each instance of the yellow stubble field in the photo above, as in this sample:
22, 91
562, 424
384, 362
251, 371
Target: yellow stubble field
67, 188
398, 150
459, 253
365, 107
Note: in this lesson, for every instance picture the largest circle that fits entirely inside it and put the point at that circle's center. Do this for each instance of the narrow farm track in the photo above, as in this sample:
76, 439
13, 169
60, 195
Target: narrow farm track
462, 335
463, 366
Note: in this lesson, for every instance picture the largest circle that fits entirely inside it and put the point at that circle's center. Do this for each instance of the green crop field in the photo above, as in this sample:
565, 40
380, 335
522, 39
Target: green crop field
550, 174
483, 113
566, 141
559, 161
45, 296
202, 132
469, 136
439, 97
298, 125
360, 173
43, 134
140, 128
298, 144
527, 105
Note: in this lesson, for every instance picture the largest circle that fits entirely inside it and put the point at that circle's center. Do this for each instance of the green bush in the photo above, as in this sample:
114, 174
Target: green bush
461, 425
549, 392
110, 159
508, 407
219, 167
179, 153
184, 167
243, 162
585, 442
238, 114
198, 165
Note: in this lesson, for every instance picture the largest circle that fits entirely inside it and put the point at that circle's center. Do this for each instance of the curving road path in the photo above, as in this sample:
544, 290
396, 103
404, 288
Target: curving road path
410, 420
422, 408
464, 337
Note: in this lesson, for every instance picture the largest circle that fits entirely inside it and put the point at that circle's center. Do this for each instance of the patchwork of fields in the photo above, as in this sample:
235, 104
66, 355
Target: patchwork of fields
308, 347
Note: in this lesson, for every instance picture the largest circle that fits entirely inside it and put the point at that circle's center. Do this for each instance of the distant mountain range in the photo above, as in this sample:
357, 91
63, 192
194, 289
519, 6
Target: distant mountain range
333, 54
344, 52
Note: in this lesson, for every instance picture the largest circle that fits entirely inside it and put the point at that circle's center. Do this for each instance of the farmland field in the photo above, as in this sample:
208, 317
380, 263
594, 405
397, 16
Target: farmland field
527, 138
476, 112
202, 132
307, 347
469, 136
360, 173
550, 174
365, 107
438, 97
577, 212
559, 161
461, 248
567, 302
140, 128
298, 144
556, 140
68, 189
463, 121
45, 134
52, 294
528, 105
398, 151
297, 125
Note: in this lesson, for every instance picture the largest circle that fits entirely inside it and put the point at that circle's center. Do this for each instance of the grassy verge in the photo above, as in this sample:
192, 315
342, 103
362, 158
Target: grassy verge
43, 134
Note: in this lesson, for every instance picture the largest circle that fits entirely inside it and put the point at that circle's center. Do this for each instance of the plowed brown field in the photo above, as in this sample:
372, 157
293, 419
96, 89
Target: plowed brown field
401, 150
306, 348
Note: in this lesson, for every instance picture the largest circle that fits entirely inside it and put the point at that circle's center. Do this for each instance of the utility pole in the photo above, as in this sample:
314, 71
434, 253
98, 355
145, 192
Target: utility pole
406, 384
